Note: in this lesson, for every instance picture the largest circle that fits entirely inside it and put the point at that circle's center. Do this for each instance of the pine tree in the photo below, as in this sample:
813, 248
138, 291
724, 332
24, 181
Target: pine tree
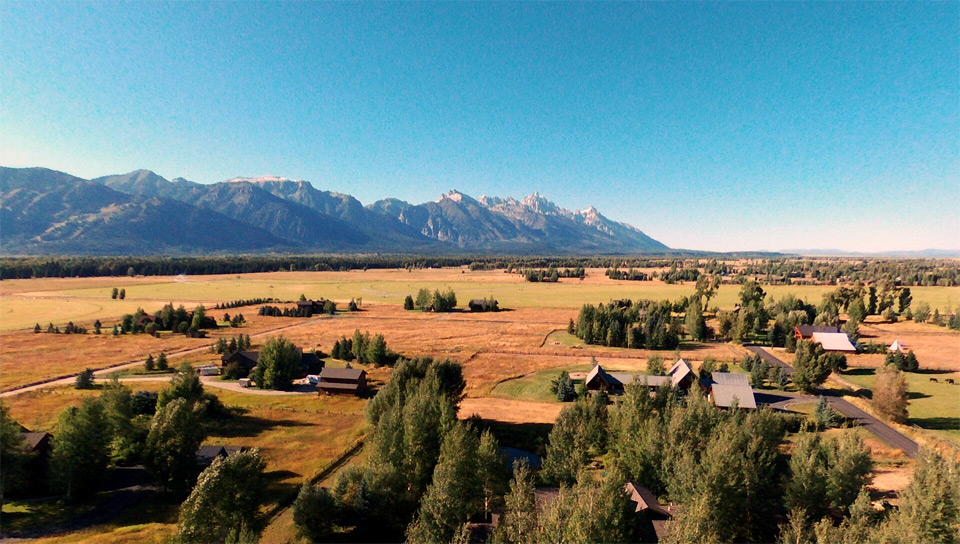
408, 303
148, 363
162, 362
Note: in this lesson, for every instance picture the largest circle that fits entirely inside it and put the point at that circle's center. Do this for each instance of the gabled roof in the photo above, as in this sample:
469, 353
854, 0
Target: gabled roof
680, 370
341, 373
834, 341
644, 499
730, 378
807, 330
723, 395
32, 441
206, 454
597, 370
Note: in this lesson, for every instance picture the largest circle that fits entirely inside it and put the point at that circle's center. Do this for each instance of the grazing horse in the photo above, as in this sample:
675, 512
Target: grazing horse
950, 381
934, 380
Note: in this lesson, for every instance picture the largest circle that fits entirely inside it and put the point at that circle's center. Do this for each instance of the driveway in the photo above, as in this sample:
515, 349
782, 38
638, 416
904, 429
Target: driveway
881, 430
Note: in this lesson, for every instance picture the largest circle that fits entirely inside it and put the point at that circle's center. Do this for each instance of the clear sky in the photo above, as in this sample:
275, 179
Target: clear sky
715, 126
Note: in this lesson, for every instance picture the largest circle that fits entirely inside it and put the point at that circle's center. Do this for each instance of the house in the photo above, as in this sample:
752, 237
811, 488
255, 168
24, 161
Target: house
805, 332
681, 375
145, 320
724, 388
248, 360
206, 454
834, 341
655, 514
37, 467
613, 383
342, 381
897, 346
314, 306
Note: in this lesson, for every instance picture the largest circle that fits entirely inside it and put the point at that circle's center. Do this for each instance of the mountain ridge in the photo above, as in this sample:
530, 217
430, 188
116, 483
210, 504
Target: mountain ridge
275, 213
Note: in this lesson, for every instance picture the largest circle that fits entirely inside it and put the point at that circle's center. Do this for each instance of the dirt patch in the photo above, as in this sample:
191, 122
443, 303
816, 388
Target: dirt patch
510, 411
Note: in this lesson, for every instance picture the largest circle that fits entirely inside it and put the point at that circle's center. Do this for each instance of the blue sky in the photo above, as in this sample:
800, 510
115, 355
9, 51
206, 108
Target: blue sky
717, 126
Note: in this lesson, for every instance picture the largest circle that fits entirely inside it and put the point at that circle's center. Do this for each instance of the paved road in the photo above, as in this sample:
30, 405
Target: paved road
103, 372
771, 359
880, 429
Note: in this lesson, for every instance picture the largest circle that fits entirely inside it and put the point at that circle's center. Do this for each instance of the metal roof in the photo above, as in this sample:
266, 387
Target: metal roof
834, 341
730, 378
723, 395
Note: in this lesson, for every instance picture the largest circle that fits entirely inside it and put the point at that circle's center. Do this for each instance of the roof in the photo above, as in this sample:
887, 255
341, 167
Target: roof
730, 378
834, 341
652, 381
807, 330
251, 356
341, 373
680, 370
33, 440
597, 370
206, 454
645, 499
723, 395
896, 346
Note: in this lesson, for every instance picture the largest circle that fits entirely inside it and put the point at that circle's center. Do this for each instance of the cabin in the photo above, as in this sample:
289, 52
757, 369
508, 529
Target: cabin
834, 341
206, 454
725, 388
314, 306
37, 467
613, 383
805, 332
655, 515
342, 381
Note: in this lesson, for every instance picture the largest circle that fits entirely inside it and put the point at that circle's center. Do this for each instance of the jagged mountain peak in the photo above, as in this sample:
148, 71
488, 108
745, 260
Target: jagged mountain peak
456, 196
259, 180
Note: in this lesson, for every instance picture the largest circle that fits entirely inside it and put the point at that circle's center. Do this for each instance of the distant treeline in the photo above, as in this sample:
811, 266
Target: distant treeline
766, 268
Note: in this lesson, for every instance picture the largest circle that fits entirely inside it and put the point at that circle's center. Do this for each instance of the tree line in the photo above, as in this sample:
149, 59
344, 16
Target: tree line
364, 348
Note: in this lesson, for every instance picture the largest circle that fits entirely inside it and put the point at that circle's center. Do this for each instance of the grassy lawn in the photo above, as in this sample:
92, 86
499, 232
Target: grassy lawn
536, 387
933, 406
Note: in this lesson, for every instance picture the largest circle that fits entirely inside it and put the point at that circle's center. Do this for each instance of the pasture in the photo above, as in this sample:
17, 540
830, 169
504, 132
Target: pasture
24, 302
933, 406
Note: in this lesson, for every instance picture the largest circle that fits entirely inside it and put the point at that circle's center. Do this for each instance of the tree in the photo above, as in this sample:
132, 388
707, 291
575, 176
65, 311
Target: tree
696, 324
81, 450
567, 446
123, 294
423, 299
171, 447
903, 300
856, 311
113, 294
889, 315
890, 394
198, 315
826, 476
96, 327
589, 512
921, 312
84, 379
490, 470
811, 365
452, 496
825, 416
359, 346
930, 504
377, 351
518, 523
278, 365
872, 300
148, 363
127, 435
408, 303
224, 505
314, 513
162, 362
655, 366
562, 387
12, 454
329, 307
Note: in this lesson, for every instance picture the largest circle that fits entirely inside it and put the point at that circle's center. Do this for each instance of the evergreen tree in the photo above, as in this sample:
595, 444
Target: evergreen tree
148, 363
84, 379
518, 522
377, 351
224, 505
694, 320
930, 504
408, 303
490, 470
314, 513
123, 294
113, 293
13, 456
162, 362
567, 446
655, 366
127, 435
811, 365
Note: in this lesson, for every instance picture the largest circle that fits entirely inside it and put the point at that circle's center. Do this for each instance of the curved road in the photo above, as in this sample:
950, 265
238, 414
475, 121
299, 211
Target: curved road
880, 429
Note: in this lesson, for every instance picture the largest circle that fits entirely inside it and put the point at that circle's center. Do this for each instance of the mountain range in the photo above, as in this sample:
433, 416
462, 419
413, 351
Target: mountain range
49, 212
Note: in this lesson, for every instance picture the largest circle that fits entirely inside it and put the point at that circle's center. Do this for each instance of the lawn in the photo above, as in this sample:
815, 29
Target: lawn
933, 406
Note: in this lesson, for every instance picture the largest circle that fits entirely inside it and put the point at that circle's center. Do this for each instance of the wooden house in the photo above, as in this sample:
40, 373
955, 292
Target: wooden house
342, 381
805, 332
655, 515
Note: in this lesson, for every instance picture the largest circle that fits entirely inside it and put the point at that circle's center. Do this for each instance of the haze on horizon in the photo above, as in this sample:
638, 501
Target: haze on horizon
715, 126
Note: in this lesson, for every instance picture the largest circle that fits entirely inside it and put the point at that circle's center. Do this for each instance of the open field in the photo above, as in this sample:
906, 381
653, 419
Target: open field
935, 347
78, 298
933, 406
297, 435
